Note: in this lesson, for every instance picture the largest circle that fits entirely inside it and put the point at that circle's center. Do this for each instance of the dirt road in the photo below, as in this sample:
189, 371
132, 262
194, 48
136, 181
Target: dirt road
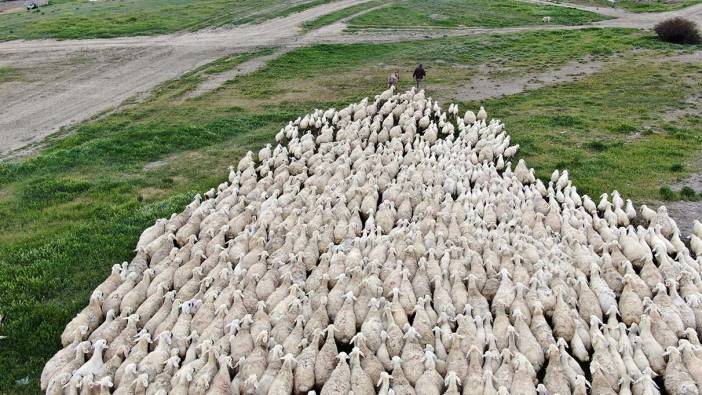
64, 82
623, 18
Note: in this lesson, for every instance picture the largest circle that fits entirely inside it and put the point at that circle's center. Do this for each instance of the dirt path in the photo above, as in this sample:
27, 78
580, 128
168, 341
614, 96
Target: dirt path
624, 18
65, 82
609, 11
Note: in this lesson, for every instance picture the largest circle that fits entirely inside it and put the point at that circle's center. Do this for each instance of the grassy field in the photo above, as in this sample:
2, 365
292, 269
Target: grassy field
641, 6
341, 14
610, 130
464, 13
78, 206
86, 19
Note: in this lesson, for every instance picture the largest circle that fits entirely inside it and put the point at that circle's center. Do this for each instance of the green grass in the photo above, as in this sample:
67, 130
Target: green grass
339, 15
464, 13
447, 60
641, 6
78, 206
113, 18
9, 74
614, 137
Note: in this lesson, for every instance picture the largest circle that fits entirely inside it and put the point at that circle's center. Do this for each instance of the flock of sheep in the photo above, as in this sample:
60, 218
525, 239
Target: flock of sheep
391, 247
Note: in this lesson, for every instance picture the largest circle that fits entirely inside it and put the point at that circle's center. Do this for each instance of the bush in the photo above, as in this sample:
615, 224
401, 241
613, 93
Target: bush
678, 31
667, 193
688, 193
597, 146
677, 168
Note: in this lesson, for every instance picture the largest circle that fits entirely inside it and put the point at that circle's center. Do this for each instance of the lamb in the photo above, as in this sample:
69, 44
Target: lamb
304, 378
677, 380
221, 383
136, 296
400, 384
151, 233
63, 375
154, 362
124, 339
345, 320
95, 366
555, 379
113, 301
482, 114
274, 365
62, 357
91, 316
283, 383
522, 383
324, 362
164, 310
128, 368
205, 373
112, 282
152, 304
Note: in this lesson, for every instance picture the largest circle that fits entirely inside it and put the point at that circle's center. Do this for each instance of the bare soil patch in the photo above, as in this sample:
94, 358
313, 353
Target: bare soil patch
693, 108
486, 86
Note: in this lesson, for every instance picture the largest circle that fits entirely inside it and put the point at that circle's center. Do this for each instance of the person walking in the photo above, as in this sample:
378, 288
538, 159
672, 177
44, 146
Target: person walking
419, 74
393, 79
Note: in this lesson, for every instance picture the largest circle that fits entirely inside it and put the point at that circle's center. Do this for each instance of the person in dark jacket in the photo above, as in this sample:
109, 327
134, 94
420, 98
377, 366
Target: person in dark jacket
419, 74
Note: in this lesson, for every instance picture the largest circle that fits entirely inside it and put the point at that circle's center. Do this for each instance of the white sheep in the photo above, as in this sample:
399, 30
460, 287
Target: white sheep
412, 241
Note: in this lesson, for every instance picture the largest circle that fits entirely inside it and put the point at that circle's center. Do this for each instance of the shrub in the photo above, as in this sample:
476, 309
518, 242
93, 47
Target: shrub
677, 168
565, 121
678, 31
688, 193
597, 146
624, 128
667, 193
